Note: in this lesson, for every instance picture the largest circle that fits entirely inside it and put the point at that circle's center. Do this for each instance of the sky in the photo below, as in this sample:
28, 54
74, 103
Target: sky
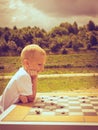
47, 14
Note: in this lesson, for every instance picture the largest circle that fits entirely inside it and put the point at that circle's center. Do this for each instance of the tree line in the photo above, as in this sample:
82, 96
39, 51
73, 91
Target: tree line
59, 40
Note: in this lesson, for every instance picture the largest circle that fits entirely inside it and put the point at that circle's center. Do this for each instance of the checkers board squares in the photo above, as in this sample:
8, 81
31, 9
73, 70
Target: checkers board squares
65, 106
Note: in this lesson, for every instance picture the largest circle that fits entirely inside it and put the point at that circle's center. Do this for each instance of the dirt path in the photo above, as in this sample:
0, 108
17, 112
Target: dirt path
67, 75
57, 75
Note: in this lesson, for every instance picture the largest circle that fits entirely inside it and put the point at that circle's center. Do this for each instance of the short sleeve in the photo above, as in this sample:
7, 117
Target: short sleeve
24, 85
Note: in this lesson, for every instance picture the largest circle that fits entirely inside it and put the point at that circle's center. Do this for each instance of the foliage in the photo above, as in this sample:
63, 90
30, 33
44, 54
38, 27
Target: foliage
59, 40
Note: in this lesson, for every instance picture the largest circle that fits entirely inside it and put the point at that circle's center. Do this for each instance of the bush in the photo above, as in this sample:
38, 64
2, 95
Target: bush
1, 67
12, 45
64, 51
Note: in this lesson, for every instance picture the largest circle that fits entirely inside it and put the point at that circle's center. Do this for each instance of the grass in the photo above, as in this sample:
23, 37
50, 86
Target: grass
67, 84
62, 84
3, 84
74, 60
87, 62
70, 70
10, 65
58, 64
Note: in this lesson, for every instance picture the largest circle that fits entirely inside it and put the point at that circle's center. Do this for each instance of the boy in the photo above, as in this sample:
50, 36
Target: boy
22, 86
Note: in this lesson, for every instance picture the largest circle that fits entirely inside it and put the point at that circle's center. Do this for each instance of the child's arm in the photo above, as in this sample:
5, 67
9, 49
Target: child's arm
31, 98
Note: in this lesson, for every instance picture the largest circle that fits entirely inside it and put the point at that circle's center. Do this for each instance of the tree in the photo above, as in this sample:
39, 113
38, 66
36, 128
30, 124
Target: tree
1, 32
3, 46
75, 27
7, 36
58, 31
71, 29
14, 28
19, 49
12, 45
96, 27
77, 46
56, 48
93, 40
91, 26
16, 38
69, 44
28, 37
89, 46
64, 51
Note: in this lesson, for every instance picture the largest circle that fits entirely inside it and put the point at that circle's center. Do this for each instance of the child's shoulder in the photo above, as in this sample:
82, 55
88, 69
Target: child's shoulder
21, 73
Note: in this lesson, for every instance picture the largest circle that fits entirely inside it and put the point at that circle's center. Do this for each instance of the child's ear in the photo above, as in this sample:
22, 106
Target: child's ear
25, 63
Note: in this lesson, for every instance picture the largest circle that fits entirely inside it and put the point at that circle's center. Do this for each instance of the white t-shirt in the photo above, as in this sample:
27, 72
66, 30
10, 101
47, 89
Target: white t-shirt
20, 84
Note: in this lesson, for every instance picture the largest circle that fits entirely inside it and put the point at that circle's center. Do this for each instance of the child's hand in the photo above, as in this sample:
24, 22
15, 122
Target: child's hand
33, 73
23, 99
30, 98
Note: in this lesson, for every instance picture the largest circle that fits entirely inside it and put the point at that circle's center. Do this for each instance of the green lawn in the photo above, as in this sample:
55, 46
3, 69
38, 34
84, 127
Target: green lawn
67, 84
87, 62
58, 64
62, 84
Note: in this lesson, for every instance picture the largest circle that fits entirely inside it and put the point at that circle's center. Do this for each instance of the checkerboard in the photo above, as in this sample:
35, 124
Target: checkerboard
65, 106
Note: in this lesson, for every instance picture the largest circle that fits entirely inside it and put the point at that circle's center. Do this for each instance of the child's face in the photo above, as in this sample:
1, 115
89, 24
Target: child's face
37, 64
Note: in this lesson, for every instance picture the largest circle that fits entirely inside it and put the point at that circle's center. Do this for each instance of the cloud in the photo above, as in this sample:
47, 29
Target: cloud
64, 8
21, 13
46, 14
4, 13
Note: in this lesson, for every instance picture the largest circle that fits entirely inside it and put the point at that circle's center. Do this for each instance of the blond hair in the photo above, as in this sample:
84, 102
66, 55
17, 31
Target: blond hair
29, 51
